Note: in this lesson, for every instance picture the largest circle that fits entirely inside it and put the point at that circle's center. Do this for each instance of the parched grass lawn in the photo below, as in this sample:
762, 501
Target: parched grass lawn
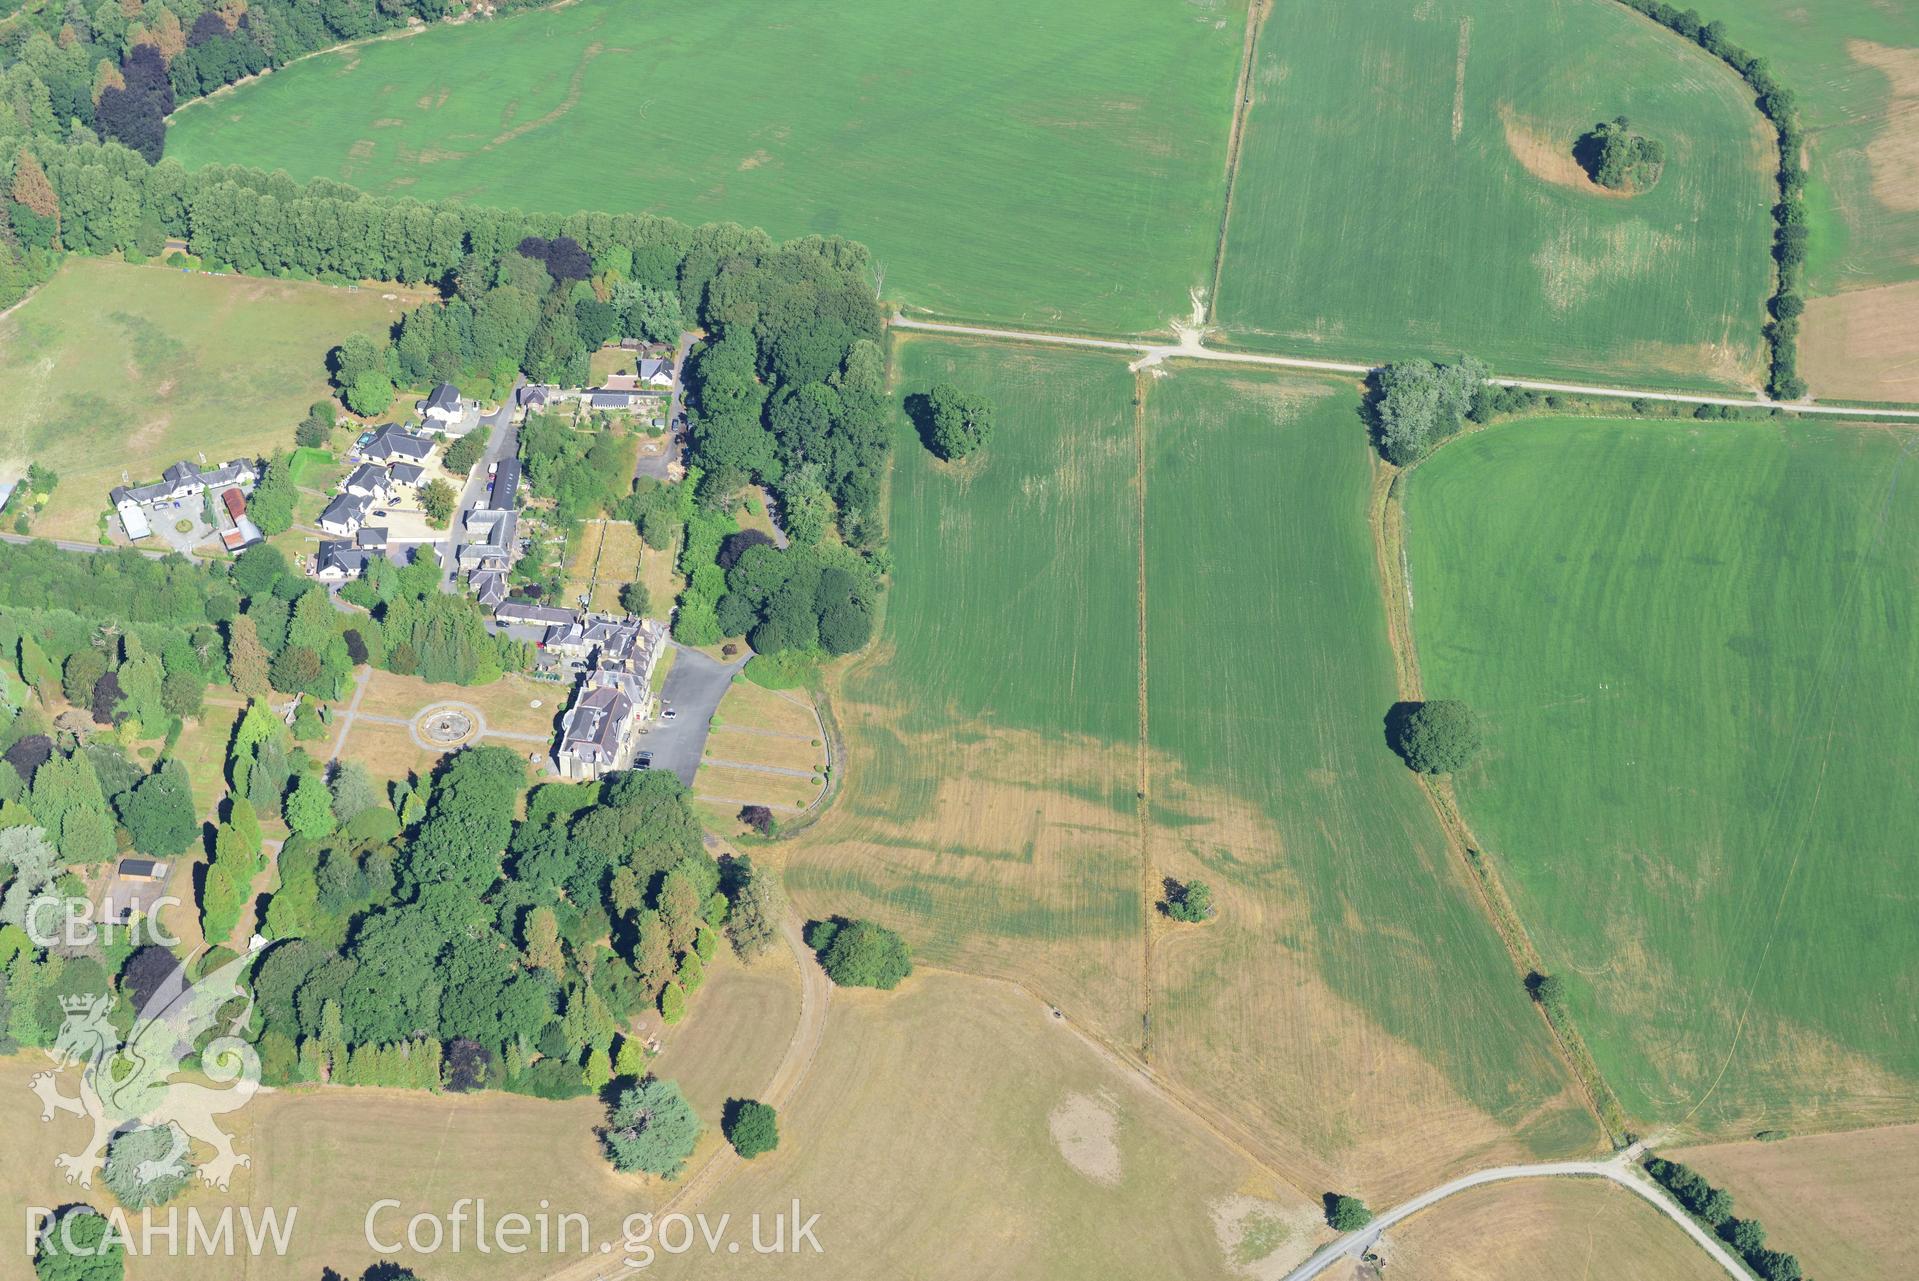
1841, 1202
956, 1111
328, 1155
1547, 1228
203, 750
387, 751
736, 1030
1351, 1015
781, 751
112, 369
1406, 188
1695, 648
725, 783
614, 551
1347, 933
750, 706
506, 703
1059, 163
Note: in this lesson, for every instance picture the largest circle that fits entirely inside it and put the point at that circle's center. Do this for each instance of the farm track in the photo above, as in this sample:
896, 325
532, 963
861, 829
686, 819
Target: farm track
816, 994
1256, 14
1192, 347
1141, 799
1388, 520
1616, 1171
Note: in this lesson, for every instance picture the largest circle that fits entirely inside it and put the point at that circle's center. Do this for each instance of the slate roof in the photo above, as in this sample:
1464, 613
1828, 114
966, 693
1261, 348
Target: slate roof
446, 396
394, 441
346, 509
342, 556
368, 476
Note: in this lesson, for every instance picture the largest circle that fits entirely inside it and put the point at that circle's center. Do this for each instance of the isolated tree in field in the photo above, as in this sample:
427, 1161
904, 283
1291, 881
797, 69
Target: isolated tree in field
752, 1127
1416, 404
860, 953
1617, 158
1550, 991
650, 1127
1190, 902
759, 902
437, 499
635, 599
369, 395
1440, 736
147, 1166
954, 423
1346, 1213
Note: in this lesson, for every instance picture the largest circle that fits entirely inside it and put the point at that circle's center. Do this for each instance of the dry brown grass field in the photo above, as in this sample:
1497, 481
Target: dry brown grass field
387, 751
1864, 345
1021, 777
953, 1129
113, 369
1842, 1202
1541, 1228
333, 1152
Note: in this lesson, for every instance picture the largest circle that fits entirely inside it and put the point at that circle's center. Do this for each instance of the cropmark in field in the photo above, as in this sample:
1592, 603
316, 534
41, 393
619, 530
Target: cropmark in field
997, 766
1695, 648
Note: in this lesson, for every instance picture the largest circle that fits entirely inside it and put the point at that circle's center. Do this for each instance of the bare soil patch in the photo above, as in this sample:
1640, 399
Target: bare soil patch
1864, 345
1085, 1129
1542, 154
1894, 151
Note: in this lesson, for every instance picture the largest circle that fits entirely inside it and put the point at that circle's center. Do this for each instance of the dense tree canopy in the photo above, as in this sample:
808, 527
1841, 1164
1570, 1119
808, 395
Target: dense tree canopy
1440, 736
860, 953
1417, 404
651, 1127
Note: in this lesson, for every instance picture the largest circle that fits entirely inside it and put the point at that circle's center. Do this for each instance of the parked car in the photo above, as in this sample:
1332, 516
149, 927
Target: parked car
668, 714
643, 761
492, 469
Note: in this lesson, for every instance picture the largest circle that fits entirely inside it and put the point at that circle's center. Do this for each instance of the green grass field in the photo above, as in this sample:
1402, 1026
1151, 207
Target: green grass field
164, 366
993, 732
996, 751
1406, 187
1855, 67
1055, 163
1269, 675
1695, 648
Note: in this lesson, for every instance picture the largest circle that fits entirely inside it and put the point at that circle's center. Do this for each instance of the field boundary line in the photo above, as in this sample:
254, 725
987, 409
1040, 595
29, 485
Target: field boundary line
1256, 14
1192, 347
1141, 801
1390, 542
